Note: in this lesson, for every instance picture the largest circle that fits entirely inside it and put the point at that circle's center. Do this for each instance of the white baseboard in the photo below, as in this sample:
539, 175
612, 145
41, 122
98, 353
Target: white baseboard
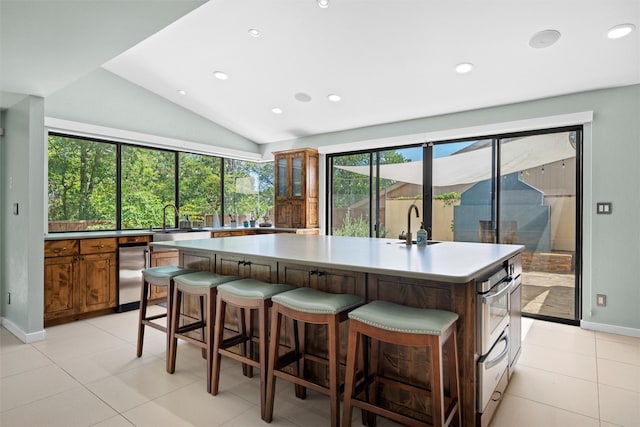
612, 329
26, 338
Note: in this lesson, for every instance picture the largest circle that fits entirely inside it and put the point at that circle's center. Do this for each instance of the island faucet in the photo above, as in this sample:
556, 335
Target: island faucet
164, 215
413, 206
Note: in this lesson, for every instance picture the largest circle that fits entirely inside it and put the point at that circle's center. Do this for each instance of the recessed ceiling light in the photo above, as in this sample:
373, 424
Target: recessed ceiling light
182, 92
276, 110
254, 33
323, 3
544, 39
220, 75
464, 68
620, 31
334, 98
302, 97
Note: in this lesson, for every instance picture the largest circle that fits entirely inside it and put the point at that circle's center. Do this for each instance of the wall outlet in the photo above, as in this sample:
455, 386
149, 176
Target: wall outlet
601, 300
604, 208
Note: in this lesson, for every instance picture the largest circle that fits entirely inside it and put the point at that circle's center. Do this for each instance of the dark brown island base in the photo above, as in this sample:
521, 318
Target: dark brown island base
480, 282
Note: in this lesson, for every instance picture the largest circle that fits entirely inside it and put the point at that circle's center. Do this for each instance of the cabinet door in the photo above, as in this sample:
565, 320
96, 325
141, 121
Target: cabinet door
266, 271
97, 282
297, 176
281, 176
283, 214
198, 261
59, 279
297, 214
159, 259
229, 265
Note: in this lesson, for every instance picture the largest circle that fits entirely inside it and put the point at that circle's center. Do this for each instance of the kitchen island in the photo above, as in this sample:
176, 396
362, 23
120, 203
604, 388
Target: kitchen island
441, 275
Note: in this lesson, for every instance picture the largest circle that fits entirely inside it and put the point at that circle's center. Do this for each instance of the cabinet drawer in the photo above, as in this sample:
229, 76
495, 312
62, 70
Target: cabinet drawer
134, 239
95, 246
60, 248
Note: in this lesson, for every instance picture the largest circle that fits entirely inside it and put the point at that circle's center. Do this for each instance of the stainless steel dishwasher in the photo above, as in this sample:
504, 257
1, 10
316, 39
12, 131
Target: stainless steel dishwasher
132, 259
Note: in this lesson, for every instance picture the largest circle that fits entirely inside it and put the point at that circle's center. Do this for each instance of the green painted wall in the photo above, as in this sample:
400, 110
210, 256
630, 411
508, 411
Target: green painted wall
22, 243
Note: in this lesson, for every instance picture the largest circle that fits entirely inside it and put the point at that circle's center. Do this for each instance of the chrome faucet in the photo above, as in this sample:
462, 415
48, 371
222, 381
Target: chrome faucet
409, 237
164, 215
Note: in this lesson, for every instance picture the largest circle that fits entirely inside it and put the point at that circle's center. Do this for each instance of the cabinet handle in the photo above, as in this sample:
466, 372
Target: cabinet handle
56, 250
98, 246
313, 272
320, 273
241, 263
247, 263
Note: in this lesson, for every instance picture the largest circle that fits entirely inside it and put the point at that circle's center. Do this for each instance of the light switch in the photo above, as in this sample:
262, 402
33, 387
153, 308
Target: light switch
603, 208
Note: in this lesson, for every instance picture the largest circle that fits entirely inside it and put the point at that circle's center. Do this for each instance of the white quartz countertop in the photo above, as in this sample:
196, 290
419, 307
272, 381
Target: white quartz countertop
124, 233
455, 262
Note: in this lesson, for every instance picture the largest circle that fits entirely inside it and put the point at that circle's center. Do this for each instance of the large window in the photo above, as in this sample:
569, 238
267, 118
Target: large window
148, 183
81, 184
248, 191
103, 185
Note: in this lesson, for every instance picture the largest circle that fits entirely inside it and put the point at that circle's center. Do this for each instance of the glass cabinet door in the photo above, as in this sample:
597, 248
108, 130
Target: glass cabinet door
282, 177
296, 187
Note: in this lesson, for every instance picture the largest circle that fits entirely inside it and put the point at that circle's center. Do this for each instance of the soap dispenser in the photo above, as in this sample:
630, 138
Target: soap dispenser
421, 236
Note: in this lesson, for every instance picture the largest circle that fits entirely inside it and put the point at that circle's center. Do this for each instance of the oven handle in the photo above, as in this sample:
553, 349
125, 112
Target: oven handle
504, 353
492, 296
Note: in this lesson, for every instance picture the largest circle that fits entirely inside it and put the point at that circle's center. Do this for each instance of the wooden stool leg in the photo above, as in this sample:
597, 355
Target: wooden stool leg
350, 374
263, 319
204, 320
299, 336
334, 370
274, 341
221, 308
142, 316
437, 382
209, 333
172, 328
170, 295
453, 374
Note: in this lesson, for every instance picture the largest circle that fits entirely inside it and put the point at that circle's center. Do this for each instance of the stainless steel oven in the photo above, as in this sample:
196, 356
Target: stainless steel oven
492, 335
492, 305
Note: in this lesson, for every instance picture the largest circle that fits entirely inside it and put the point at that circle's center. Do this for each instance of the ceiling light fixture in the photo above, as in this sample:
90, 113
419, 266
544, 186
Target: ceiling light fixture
182, 92
334, 98
544, 39
254, 33
276, 110
323, 3
464, 67
620, 31
220, 75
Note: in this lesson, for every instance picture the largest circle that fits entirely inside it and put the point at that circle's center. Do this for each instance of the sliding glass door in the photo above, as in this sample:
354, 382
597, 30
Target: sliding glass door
516, 189
538, 209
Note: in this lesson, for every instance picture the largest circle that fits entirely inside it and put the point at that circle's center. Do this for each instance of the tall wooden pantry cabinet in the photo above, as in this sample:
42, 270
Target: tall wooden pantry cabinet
296, 187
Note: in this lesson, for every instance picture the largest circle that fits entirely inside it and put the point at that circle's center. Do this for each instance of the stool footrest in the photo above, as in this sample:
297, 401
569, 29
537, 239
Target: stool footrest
300, 381
153, 325
240, 358
190, 327
156, 316
287, 359
402, 419
234, 340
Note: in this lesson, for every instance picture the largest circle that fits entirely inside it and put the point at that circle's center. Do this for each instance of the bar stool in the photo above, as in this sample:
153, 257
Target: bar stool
406, 326
252, 295
308, 305
202, 284
157, 276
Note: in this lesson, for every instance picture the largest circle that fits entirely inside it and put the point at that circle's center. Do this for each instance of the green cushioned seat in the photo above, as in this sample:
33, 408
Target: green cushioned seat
204, 279
313, 301
400, 318
165, 272
253, 289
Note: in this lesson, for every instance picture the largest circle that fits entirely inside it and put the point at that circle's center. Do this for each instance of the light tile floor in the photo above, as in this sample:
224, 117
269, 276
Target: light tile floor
86, 374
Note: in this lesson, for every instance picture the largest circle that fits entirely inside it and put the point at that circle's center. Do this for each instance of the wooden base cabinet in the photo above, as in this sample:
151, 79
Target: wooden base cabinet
79, 278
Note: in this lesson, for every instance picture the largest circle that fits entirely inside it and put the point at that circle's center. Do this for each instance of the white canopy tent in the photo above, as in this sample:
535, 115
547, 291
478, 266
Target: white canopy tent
469, 167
